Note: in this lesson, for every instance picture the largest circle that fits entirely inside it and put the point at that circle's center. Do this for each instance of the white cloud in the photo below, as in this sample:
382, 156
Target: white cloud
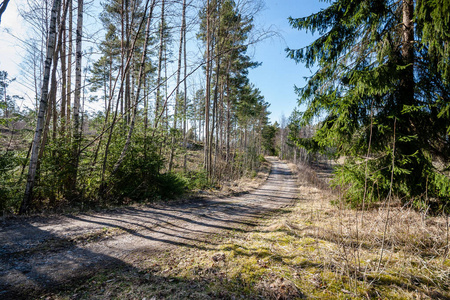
12, 31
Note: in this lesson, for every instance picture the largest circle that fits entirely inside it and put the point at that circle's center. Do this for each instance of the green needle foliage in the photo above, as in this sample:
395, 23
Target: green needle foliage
381, 91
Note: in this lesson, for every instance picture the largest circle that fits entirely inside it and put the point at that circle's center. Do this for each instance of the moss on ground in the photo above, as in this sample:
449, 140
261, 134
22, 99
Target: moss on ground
306, 251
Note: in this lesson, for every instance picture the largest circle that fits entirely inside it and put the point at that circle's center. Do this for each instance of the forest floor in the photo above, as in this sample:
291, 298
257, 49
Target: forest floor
39, 254
283, 240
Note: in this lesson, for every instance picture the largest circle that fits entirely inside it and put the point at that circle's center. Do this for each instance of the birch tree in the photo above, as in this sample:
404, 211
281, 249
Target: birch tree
43, 103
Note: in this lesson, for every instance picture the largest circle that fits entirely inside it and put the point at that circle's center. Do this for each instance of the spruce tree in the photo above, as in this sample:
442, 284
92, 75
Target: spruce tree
380, 91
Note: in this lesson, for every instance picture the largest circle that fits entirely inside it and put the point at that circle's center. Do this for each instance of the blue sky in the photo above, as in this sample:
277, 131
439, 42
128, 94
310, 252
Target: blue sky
275, 78
11, 52
277, 75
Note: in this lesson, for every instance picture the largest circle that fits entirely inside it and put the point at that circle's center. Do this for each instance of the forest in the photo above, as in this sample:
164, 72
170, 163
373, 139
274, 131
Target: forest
147, 137
164, 121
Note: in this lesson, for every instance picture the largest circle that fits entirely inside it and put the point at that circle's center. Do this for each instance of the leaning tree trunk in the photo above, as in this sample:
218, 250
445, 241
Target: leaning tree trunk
42, 110
3, 6
141, 78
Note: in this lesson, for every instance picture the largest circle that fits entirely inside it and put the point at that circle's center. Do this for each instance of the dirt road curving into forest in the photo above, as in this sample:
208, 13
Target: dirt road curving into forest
38, 254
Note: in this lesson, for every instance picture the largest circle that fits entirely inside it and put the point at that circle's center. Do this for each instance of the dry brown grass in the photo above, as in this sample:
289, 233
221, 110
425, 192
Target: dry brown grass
311, 250
404, 250
227, 187
245, 184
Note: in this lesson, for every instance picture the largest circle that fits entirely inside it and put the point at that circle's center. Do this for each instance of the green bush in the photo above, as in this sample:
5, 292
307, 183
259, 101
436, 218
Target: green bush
139, 177
171, 185
197, 180
261, 158
10, 190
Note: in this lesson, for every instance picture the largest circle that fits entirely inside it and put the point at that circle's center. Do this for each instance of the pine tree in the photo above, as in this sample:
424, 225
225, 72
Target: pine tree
376, 91
224, 30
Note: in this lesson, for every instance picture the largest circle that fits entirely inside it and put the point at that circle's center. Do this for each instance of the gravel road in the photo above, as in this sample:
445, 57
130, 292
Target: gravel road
38, 253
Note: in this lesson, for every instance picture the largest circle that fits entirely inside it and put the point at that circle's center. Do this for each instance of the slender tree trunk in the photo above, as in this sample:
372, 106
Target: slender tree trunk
46, 128
123, 55
228, 129
208, 87
201, 113
53, 89
54, 83
160, 59
42, 110
77, 97
406, 123
215, 98
177, 92
3, 6
103, 184
64, 77
408, 51
5, 95
69, 66
183, 22
165, 108
146, 101
127, 102
214, 117
220, 137
141, 78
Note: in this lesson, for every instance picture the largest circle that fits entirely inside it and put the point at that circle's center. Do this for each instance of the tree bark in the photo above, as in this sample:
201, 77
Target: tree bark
208, 88
177, 92
64, 76
69, 66
42, 110
185, 88
3, 6
160, 58
77, 97
141, 78
408, 50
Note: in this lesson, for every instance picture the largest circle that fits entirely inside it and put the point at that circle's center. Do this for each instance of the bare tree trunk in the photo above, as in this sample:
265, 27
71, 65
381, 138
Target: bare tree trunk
46, 126
214, 114
54, 83
141, 78
53, 90
208, 87
69, 66
123, 54
165, 108
177, 92
128, 53
160, 58
63, 75
228, 122
3, 6
77, 97
5, 96
407, 82
183, 24
228, 129
114, 119
42, 110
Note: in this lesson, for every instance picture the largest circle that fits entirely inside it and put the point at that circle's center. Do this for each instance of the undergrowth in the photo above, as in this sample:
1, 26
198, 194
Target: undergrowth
311, 250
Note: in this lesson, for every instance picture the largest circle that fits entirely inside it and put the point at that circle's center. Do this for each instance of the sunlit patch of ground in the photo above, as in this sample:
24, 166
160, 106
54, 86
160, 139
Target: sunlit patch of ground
310, 250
